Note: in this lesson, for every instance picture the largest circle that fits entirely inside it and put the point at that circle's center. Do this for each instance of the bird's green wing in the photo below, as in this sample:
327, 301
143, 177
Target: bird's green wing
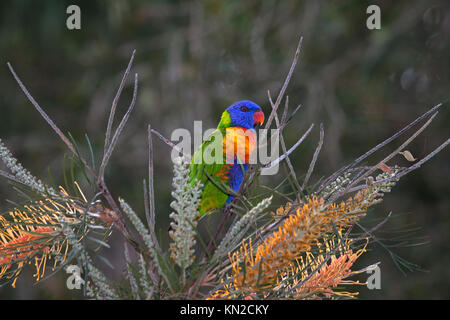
208, 166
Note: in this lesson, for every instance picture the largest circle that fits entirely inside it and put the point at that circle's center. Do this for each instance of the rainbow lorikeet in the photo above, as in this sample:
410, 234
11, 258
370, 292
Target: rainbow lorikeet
231, 146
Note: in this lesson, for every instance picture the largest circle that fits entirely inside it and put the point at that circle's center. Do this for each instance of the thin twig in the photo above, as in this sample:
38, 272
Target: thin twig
47, 118
370, 232
114, 104
276, 192
151, 192
119, 129
120, 224
421, 162
285, 110
293, 113
385, 160
283, 156
146, 203
283, 143
101, 184
285, 84
314, 159
377, 147
10, 176
169, 143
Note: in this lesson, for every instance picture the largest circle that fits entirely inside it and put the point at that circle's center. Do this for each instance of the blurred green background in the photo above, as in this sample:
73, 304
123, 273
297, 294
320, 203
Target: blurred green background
194, 58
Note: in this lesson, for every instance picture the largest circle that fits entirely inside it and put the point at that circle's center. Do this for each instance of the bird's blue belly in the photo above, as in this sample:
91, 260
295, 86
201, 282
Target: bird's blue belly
236, 176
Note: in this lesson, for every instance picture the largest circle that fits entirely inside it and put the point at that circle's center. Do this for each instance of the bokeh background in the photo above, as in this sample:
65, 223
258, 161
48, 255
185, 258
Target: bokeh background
194, 58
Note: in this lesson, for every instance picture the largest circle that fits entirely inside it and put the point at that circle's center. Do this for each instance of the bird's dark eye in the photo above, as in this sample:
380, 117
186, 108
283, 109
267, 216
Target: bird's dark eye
244, 109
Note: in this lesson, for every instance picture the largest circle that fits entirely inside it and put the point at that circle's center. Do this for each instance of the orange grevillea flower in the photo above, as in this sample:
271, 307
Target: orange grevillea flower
33, 234
329, 275
22, 247
283, 210
312, 277
26, 238
258, 268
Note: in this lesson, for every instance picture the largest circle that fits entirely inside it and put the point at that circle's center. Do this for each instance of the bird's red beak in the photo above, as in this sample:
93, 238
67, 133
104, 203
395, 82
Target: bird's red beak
258, 117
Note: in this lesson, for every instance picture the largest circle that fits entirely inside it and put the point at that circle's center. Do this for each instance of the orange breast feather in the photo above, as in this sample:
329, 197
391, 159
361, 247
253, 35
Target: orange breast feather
239, 143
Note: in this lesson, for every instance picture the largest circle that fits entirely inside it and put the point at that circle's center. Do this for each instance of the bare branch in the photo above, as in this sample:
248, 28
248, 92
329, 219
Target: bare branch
169, 143
286, 82
314, 159
370, 232
100, 178
151, 192
293, 113
385, 160
377, 147
10, 177
421, 162
47, 118
283, 143
146, 203
114, 104
118, 131
283, 156
285, 110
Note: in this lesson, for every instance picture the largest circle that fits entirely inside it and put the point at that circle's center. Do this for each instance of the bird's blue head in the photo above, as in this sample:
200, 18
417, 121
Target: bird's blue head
245, 113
